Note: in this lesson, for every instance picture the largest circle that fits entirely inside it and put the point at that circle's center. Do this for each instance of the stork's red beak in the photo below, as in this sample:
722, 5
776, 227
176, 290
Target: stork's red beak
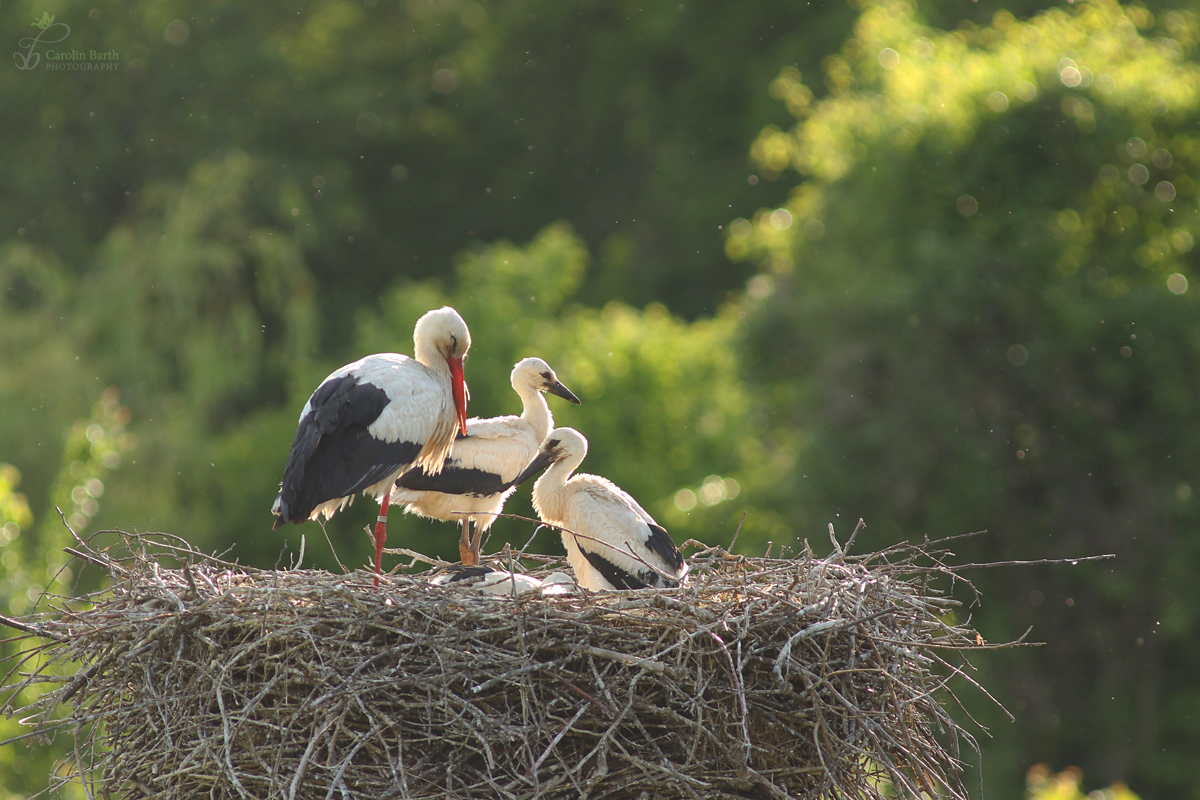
459, 386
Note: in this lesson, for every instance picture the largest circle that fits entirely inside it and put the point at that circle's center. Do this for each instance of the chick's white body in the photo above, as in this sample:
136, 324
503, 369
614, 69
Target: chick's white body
494, 446
476, 476
611, 541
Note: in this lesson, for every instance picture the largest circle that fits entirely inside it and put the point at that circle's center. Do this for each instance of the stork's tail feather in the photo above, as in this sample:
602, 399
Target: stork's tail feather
279, 512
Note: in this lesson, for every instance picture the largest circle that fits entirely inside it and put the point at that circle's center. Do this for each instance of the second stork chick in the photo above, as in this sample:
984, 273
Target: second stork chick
612, 543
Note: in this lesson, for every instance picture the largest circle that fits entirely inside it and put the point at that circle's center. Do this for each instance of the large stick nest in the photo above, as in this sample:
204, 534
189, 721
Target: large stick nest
194, 677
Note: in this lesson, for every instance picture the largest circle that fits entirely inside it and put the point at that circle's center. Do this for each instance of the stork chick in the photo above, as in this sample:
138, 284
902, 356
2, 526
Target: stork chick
612, 543
477, 476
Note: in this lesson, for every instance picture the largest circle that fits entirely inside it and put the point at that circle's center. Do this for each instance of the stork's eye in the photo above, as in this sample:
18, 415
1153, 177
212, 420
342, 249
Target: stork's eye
549, 378
553, 443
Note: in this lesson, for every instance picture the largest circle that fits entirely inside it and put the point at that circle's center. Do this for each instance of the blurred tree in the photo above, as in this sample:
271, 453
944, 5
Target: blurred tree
407, 130
200, 304
94, 447
34, 573
1040, 784
975, 313
15, 516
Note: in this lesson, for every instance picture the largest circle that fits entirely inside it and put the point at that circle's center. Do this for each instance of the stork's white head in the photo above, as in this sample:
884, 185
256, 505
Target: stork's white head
536, 374
565, 443
441, 335
562, 445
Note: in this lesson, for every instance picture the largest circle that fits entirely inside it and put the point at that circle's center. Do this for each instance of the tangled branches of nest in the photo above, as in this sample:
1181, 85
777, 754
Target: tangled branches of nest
761, 678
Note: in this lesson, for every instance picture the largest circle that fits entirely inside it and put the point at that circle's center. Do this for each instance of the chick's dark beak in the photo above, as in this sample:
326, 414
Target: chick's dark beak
559, 390
542, 460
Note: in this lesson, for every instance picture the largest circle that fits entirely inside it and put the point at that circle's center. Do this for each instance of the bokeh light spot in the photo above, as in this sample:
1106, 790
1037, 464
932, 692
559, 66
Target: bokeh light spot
760, 287
444, 81
685, 499
732, 488
1177, 283
368, 124
177, 32
713, 490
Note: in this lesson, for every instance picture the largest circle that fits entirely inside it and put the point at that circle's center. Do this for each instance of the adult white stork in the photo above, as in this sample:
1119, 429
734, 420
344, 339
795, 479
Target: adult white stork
372, 420
477, 476
612, 543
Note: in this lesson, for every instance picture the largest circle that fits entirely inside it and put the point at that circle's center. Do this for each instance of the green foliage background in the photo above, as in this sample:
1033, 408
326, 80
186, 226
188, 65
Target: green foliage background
925, 263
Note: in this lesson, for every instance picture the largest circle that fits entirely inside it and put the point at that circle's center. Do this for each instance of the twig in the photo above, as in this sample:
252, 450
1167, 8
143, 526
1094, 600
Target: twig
738, 531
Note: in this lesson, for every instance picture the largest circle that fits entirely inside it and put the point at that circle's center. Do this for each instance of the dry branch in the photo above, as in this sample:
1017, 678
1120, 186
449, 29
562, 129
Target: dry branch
762, 678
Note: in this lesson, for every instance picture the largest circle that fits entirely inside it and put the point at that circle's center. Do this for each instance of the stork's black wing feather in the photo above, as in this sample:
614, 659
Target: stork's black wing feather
660, 542
333, 454
619, 578
458, 573
454, 480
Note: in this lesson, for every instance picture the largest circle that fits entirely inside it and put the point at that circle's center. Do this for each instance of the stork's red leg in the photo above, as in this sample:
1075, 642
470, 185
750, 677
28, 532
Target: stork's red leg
381, 533
476, 537
469, 559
